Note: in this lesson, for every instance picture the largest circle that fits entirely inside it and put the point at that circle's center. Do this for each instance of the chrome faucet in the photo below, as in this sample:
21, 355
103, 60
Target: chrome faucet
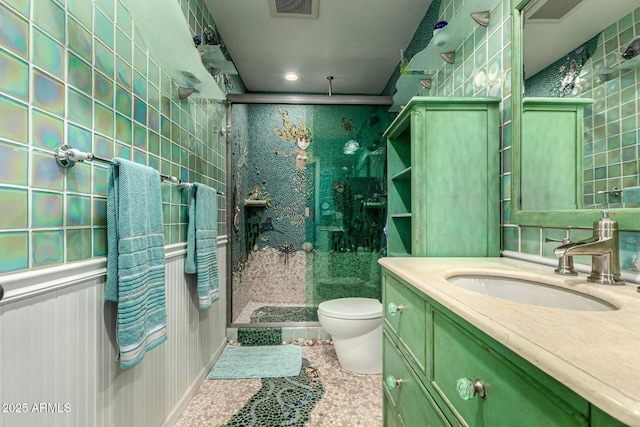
603, 248
565, 262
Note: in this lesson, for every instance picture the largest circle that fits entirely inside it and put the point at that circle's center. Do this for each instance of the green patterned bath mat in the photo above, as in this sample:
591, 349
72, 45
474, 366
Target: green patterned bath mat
271, 361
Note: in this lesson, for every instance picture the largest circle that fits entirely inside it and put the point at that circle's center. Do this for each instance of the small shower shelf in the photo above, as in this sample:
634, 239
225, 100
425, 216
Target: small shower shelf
255, 203
449, 38
212, 56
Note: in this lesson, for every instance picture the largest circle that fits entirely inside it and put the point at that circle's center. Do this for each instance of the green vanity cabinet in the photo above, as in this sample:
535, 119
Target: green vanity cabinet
443, 178
434, 361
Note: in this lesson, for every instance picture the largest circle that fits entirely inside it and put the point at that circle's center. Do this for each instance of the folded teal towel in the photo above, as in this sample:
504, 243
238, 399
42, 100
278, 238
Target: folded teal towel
202, 242
135, 259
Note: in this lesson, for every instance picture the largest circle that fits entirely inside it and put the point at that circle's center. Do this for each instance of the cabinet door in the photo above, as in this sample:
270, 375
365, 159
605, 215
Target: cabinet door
406, 316
415, 406
512, 398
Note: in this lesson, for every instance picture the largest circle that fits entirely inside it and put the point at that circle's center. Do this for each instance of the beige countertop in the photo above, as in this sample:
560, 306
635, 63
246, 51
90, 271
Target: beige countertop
594, 353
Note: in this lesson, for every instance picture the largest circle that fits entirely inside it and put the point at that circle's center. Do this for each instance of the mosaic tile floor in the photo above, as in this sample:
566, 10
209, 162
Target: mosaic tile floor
349, 400
251, 307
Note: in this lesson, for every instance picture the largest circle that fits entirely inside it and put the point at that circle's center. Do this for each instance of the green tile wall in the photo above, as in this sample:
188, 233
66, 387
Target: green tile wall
78, 72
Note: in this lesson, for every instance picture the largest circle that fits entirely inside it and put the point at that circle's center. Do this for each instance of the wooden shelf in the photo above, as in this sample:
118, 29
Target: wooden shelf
251, 203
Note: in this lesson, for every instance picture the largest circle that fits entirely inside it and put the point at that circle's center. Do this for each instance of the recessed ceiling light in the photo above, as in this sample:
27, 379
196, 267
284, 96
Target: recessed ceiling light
292, 77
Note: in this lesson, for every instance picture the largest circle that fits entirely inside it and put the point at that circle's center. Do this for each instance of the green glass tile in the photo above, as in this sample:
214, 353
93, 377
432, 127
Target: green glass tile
49, 16
18, 257
13, 164
14, 32
154, 143
122, 151
124, 129
630, 168
104, 60
123, 73
80, 40
140, 111
47, 131
139, 137
506, 187
175, 153
100, 181
124, 46
80, 75
78, 244
99, 242
139, 85
79, 138
154, 73
79, 178
14, 210
48, 248
165, 106
165, 148
108, 7
21, 6
46, 173
140, 60
48, 93
140, 157
165, 126
153, 162
100, 212
46, 209
103, 122
14, 76
80, 108
103, 28
103, 89
103, 147
628, 153
14, 122
78, 210
123, 101
83, 10
153, 119
124, 20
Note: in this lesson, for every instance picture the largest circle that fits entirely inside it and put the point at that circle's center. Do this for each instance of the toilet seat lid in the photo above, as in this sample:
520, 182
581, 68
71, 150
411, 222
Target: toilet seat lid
351, 308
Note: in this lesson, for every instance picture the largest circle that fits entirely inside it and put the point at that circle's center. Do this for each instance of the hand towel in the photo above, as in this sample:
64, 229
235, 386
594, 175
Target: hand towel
135, 259
202, 242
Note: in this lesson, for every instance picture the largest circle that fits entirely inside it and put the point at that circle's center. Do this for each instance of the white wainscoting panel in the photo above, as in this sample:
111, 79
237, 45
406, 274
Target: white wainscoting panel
57, 356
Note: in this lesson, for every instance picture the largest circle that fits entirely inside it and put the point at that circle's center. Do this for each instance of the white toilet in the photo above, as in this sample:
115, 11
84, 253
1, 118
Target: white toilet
355, 325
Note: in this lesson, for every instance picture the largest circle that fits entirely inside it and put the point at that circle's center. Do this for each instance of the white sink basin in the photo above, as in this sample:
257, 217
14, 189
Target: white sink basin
530, 292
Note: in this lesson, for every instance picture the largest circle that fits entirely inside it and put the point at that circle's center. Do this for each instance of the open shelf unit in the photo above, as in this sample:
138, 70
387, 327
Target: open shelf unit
443, 186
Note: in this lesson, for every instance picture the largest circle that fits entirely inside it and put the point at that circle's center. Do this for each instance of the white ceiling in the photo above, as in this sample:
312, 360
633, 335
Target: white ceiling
358, 42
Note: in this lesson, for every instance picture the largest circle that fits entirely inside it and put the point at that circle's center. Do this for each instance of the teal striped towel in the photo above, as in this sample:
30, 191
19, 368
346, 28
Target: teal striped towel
202, 242
135, 259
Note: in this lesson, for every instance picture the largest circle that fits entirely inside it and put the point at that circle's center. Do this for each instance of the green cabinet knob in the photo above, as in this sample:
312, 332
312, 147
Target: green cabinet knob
467, 389
393, 309
393, 382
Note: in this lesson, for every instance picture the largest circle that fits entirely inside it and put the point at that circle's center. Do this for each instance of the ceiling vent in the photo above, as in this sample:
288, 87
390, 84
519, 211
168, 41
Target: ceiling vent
294, 8
553, 10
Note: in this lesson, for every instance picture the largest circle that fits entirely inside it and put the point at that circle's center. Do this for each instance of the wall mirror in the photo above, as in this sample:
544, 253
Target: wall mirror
577, 52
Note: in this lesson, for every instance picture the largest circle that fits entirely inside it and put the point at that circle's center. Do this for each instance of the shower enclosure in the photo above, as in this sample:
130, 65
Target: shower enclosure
308, 208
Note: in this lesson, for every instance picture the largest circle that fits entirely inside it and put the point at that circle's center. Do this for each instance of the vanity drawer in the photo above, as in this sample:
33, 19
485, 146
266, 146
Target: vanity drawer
408, 316
512, 396
409, 399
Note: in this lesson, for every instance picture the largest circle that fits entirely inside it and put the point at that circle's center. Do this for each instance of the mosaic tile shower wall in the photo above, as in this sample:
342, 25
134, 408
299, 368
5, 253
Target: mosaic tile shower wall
309, 186
79, 73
